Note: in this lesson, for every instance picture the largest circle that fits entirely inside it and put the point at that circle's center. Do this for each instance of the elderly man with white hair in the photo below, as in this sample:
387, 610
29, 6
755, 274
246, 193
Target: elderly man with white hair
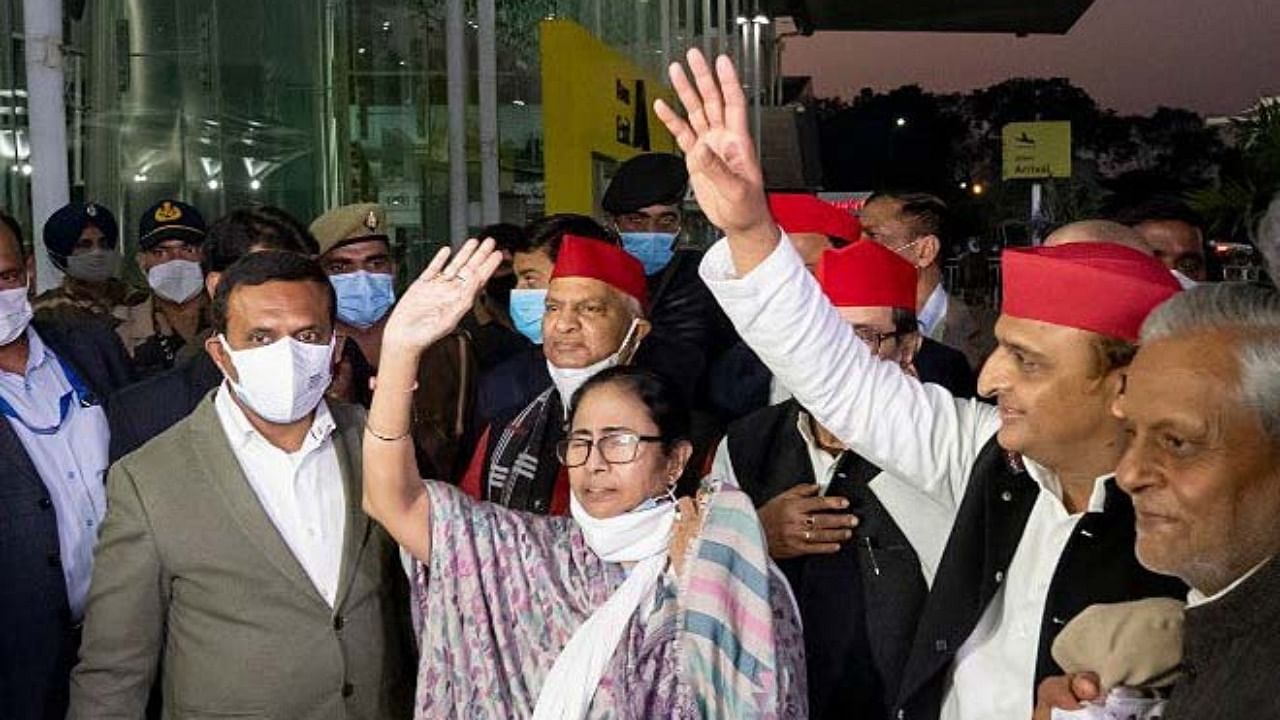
1201, 408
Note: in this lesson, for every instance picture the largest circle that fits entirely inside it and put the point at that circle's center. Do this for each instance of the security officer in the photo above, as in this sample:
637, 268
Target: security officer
170, 250
356, 254
83, 240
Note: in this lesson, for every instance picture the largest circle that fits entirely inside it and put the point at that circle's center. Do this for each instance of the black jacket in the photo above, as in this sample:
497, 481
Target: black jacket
1231, 654
38, 644
143, 410
860, 605
690, 331
1097, 565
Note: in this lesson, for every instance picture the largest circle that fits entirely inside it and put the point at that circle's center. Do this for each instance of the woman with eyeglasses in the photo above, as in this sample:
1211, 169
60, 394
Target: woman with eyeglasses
635, 606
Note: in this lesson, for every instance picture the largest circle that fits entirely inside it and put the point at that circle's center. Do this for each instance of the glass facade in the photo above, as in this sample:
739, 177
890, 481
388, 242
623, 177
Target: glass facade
309, 104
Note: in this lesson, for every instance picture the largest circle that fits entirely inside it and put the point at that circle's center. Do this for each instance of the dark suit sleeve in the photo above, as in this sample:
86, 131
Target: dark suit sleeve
121, 417
115, 361
125, 615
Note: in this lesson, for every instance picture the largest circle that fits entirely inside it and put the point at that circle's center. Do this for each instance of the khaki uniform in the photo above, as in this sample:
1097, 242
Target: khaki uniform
126, 308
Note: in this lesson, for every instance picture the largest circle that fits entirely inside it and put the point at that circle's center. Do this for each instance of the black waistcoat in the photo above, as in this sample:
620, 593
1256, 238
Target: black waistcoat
859, 605
1098, 565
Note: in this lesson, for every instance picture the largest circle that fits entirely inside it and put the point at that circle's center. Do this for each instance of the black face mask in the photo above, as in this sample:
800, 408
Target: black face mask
499, 289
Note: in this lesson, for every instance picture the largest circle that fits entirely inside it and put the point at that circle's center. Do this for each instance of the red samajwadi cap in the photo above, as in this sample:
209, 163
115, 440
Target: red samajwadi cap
867, 274
599, 260
799, 213
1100, 287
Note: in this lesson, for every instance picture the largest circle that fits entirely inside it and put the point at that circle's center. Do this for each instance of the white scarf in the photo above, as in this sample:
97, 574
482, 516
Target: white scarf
569, 380
639, 536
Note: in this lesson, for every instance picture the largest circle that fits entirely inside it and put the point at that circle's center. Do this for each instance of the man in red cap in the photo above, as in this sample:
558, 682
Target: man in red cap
859, 583
740, 384
595, 319
1041, 532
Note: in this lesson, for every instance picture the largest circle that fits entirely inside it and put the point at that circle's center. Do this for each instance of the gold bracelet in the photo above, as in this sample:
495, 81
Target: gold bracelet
373, 385
384, 438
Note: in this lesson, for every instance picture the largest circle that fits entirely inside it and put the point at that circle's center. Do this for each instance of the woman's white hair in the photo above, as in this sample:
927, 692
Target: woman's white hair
1252, 314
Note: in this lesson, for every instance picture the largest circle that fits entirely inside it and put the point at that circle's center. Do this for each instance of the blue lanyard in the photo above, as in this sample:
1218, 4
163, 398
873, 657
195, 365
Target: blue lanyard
79, 391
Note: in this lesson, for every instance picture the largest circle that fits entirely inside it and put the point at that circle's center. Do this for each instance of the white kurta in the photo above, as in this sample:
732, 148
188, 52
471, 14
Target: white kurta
917, 432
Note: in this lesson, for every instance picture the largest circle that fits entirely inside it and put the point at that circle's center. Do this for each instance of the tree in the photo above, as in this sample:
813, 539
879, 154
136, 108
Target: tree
950, 140
1249, 178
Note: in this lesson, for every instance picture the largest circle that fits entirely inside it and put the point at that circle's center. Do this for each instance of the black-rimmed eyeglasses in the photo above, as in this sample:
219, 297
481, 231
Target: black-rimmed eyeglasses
616, 448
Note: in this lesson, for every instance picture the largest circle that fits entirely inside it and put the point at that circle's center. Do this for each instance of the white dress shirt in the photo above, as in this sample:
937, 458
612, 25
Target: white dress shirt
917, 432
302, 492
72, 462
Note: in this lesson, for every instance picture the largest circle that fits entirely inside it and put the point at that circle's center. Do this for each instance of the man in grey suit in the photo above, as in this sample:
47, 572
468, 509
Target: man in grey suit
235, 556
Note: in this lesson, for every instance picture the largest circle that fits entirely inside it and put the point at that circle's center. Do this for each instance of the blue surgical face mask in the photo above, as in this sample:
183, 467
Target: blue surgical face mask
653, 249
527, 308
363, 297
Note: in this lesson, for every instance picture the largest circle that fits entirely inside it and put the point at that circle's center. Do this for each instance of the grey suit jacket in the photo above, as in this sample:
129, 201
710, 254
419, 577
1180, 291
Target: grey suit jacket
191, 572
967, 329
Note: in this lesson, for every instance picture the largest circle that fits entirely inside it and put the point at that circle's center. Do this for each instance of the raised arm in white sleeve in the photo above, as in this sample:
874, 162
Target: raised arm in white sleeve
917, 431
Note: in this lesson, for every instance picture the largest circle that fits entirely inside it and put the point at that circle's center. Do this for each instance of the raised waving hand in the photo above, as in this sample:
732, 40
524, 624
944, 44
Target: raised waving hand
723, 168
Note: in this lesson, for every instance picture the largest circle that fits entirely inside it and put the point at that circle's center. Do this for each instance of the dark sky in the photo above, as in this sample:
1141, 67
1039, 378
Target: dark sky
1213, 56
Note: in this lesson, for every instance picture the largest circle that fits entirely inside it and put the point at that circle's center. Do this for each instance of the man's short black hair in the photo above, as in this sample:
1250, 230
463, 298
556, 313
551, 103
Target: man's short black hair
11, 223
926, 214
506, 236
546, 233
232, 236
1160, 208
905, 322
259, 268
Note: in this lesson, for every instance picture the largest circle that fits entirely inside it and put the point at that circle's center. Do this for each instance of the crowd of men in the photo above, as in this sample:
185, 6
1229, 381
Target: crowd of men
181, 531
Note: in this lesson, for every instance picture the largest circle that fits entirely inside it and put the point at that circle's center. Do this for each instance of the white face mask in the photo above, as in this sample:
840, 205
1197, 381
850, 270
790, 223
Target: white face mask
569, 380
630, 537
15, 314
177, 280
284, 381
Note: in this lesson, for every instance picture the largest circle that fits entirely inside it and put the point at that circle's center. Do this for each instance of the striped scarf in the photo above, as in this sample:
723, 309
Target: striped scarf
728, 655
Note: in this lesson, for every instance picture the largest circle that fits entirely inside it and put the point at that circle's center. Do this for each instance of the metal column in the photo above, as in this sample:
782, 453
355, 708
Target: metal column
456, 69
664, 21
47, 125
487, 66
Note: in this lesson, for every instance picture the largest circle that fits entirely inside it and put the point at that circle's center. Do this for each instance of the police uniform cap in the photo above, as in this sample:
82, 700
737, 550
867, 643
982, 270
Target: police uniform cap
644, 180
170, 220
350, 223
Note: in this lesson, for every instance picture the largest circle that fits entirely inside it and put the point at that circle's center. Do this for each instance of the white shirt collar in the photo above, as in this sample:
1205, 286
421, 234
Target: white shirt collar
1196, 598
241, 432
1049, 482
37, 352
821, 459
805, 427
934, 310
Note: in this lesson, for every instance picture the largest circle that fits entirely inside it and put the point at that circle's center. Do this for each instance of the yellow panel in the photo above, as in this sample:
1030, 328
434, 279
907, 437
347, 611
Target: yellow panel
590, 117
1037, 150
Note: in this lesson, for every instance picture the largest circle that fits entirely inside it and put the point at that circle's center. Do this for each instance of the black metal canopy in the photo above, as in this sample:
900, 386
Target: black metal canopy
1021, 17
